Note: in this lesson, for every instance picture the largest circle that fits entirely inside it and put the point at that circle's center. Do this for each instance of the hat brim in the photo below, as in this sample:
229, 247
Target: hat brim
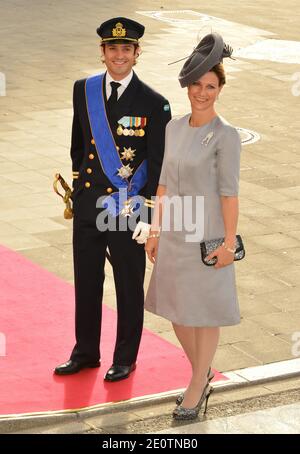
118, 40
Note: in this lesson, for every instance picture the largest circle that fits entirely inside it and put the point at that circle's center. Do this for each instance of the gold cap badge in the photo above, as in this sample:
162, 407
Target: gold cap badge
119, 31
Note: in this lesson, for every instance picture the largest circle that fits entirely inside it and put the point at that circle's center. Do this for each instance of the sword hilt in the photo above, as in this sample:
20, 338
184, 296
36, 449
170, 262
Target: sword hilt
68, 213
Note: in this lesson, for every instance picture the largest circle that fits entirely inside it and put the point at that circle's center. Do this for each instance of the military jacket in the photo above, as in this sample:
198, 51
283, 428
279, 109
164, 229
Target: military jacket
138, 124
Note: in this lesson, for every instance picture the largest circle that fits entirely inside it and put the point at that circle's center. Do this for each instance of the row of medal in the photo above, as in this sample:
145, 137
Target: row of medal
126, 125
130, 132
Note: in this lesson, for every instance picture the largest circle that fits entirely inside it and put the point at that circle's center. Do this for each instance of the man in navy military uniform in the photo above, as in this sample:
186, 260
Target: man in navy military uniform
117, 143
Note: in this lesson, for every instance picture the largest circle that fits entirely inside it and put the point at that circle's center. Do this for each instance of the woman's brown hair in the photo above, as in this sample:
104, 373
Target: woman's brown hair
220, 73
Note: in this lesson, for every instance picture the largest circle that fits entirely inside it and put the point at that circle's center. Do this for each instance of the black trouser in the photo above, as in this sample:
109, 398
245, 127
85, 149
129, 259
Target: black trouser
128, 262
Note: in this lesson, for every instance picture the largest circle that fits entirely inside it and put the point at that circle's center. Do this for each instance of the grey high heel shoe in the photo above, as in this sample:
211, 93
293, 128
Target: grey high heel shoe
210, 376
180, 413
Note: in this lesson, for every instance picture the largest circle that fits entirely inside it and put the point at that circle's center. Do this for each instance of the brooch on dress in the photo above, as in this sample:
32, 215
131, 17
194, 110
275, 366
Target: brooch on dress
207, 139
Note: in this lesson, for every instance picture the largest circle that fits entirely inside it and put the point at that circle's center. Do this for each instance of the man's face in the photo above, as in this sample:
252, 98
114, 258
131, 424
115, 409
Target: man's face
119, 59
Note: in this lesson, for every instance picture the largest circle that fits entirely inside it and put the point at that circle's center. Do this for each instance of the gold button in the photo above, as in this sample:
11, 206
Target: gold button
87, 184
89, 170
91, 156
109, 190
92, 142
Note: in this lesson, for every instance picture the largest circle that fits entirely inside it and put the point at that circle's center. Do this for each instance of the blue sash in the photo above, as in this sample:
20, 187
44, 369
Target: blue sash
105, 144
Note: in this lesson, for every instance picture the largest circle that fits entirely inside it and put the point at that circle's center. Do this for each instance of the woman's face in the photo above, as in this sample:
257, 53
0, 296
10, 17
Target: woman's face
204, 92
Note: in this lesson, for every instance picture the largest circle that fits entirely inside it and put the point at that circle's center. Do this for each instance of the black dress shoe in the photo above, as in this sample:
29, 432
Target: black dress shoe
72, 367
116, 372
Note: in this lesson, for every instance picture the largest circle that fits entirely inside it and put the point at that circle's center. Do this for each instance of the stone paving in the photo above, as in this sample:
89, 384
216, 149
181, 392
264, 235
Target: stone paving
226, 413
278, 420
45, 46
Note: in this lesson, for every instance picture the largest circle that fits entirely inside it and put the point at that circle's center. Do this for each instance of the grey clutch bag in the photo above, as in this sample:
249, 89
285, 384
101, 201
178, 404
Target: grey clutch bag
209, 246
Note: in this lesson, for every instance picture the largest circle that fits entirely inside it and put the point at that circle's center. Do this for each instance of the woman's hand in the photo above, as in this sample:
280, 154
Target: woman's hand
151, 248
224, 257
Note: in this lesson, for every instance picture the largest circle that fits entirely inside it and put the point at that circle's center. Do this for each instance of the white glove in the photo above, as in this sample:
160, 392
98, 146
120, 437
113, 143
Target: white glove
141, 232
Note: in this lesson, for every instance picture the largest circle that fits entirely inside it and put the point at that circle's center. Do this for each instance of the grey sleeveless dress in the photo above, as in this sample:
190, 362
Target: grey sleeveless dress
199, 161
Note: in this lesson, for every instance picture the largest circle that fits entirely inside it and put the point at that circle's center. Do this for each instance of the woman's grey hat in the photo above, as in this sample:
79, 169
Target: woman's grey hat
210, 51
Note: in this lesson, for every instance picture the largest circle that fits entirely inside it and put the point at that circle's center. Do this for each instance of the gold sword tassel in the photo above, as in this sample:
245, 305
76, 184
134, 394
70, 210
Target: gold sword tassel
68, 213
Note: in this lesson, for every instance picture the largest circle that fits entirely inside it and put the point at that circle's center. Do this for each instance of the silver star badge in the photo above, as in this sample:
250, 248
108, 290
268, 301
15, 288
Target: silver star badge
125, 171
207, 139
127, 211
128, 154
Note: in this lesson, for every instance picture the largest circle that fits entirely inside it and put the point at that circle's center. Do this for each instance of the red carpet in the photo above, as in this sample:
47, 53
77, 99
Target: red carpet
37, 324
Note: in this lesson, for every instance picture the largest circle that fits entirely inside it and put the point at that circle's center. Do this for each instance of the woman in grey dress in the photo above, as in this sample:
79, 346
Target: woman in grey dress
202, 158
